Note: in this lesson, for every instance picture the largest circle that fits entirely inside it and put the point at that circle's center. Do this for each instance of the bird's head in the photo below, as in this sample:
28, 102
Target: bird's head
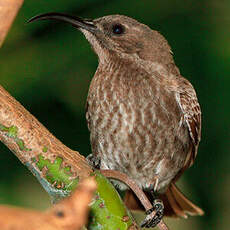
118, 34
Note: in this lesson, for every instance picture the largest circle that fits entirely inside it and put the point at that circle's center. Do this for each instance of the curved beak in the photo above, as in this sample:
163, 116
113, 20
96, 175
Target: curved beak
77, 22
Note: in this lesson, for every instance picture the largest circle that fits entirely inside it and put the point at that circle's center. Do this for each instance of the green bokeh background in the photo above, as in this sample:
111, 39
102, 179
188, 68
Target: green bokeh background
48, 66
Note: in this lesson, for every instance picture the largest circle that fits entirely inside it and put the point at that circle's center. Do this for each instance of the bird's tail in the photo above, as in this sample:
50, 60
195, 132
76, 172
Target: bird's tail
175, 203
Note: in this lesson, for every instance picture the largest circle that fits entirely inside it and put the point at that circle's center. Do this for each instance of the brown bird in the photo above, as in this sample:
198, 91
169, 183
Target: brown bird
144, 117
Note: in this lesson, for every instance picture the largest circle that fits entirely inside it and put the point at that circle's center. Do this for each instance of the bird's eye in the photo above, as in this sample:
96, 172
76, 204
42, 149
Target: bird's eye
118, 29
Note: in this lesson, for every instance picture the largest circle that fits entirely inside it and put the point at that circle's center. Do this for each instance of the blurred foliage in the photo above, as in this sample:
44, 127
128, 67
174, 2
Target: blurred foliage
48, 66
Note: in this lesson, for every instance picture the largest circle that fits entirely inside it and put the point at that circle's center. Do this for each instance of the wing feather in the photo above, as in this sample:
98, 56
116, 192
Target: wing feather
191, 111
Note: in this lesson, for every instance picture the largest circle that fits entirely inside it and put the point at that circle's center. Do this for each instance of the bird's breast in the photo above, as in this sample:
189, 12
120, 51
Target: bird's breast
132, 126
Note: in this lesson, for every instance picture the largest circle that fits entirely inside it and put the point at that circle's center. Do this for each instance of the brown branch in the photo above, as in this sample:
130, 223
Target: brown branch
69, 214
18, 126
24, 135
8, 11
136, 189
28, 130
57, 167
131, 184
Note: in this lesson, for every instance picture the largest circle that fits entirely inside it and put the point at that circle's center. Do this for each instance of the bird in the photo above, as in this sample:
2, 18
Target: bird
143, 116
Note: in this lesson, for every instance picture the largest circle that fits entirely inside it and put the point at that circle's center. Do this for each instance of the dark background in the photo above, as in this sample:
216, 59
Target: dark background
48, 66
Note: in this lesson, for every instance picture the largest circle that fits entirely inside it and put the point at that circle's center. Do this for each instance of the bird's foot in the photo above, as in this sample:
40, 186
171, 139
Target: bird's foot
154, 215
94, 161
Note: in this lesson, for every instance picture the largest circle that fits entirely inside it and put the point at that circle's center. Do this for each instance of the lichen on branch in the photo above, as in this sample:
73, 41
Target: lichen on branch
57, 167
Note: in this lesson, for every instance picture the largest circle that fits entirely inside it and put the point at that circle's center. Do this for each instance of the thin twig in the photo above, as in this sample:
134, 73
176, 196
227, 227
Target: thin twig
135, 188
128, 181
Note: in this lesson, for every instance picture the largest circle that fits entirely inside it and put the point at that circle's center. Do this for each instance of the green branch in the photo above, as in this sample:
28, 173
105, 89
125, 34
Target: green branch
58, 168
107, 208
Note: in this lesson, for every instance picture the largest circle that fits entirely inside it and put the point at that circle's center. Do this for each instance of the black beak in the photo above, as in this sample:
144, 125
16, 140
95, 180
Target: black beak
77, 22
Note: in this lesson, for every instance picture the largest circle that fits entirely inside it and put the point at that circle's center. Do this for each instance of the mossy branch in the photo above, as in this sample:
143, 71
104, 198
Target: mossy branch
57, 167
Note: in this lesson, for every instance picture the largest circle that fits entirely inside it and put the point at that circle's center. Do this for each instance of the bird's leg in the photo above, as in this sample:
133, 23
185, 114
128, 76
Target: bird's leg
156, 213
94, 161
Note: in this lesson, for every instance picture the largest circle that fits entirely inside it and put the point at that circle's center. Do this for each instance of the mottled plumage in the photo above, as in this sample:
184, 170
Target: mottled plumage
143, 116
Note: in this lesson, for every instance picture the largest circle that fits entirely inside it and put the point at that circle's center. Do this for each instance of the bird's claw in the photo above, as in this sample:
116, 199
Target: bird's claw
94, 161
154, 215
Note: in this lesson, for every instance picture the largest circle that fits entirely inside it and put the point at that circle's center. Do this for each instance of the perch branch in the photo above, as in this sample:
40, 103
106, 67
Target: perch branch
135, 188
58, 168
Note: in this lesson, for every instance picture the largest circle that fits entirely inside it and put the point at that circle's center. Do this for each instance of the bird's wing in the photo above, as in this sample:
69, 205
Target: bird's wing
87, 114
191, 111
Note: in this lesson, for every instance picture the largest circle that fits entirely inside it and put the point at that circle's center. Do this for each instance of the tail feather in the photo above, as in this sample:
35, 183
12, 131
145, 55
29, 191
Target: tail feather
175, 203
185, 205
